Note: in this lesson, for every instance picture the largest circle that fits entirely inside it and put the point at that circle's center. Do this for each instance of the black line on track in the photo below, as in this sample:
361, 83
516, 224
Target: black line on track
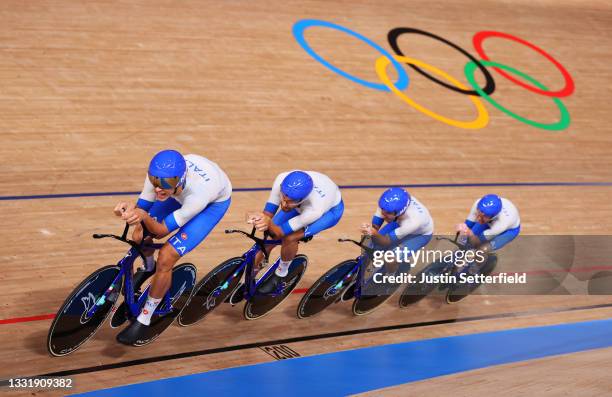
177, 356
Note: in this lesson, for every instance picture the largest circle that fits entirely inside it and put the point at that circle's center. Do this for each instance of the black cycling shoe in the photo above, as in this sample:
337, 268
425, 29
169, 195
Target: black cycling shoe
133, 334
271, 285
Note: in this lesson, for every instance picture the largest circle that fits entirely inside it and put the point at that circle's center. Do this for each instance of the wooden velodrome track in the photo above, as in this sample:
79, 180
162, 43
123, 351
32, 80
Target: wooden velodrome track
89, 92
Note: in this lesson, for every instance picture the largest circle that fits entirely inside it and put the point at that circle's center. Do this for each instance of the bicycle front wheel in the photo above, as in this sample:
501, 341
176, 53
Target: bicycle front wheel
326, 290
210, 292
261, 304
71, 327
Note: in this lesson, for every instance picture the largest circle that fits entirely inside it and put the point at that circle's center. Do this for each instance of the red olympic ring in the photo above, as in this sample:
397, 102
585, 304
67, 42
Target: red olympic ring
569, 82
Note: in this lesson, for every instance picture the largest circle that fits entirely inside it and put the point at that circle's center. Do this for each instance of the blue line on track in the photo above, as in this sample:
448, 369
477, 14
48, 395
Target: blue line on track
263, 189
366, 369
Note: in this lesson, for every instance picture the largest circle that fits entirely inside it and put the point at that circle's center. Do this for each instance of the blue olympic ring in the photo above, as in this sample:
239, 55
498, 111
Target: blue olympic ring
298, 33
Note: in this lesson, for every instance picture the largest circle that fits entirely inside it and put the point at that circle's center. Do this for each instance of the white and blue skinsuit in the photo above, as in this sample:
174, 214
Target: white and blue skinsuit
502, 229
197, 209
413, 229
320, 210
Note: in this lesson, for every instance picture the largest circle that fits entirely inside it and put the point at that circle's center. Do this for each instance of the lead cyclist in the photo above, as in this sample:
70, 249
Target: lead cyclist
186, 196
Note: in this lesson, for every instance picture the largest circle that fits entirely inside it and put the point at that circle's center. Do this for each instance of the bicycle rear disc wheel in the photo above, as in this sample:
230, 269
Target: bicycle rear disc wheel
367, 304
209, 292
459, 291
70, 327
260, 304
454, 295
415, 292
183, 280
324, 291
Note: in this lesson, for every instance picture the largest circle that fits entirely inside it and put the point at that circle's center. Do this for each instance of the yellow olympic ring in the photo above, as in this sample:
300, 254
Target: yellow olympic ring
483, 116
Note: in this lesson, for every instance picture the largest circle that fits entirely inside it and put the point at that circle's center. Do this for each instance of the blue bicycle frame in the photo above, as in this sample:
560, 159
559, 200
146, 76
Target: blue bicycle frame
359, 268
126, 265
248, 262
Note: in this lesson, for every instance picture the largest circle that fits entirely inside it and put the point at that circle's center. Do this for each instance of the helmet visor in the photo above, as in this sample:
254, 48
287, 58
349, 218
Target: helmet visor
165, 183
289, 202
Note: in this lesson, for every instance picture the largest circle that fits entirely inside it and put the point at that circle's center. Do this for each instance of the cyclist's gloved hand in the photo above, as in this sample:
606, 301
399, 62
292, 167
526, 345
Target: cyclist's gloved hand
462, 229
122, 207
133, 216
366, 229
261, 221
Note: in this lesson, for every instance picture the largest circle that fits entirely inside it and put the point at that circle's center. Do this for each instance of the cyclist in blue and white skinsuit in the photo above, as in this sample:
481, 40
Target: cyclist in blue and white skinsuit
408, 221
310, 202
492, 223
189, 193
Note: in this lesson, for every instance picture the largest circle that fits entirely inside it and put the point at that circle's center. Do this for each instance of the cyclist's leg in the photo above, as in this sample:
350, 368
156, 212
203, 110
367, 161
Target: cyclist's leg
413, 243
290, 242
408, 245
384, 231
186, 239
327, 221
159, 210
495, 244
504, 238
189, 236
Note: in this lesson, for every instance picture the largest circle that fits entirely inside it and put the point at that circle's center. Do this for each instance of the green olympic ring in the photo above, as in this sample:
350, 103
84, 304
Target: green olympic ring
563, 123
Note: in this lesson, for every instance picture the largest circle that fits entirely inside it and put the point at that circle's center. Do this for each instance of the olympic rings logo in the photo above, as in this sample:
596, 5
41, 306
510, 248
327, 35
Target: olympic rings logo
475, 92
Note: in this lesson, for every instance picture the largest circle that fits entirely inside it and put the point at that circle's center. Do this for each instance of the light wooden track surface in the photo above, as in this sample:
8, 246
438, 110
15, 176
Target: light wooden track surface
90, 91
552, 376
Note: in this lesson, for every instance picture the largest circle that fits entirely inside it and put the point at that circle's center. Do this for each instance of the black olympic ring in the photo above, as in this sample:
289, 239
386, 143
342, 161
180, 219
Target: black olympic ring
489, 87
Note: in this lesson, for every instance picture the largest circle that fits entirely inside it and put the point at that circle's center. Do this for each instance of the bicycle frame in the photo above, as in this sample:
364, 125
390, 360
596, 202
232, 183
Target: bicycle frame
248, 264
126, 265
361, 260
359, 266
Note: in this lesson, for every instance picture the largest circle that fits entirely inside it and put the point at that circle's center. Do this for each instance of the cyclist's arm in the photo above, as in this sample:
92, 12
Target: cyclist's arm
308, 216
192, 205
470, 222
496, 228
396, 234
275, 231
474, 240
471, 218
377, 219
159, 230
380, 239
147, 196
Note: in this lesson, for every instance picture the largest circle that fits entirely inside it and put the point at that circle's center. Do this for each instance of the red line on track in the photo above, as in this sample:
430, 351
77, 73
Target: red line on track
27, 319
52, 315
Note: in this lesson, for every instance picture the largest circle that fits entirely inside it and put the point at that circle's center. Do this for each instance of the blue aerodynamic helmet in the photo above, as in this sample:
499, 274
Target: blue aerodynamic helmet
297, 185
394, 200
167, 170
490, 205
